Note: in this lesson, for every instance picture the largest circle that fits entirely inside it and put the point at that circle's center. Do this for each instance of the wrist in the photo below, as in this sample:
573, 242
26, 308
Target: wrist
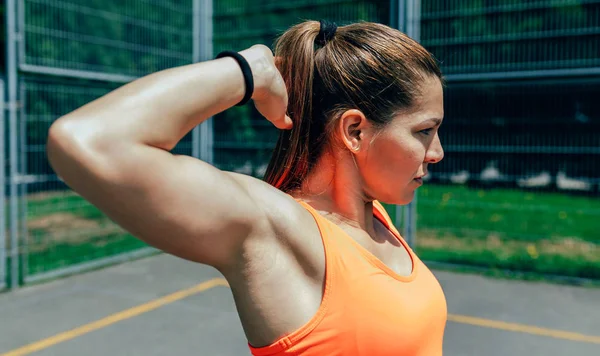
260, 59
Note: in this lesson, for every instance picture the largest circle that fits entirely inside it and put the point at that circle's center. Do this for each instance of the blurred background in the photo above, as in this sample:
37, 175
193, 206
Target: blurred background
518, 191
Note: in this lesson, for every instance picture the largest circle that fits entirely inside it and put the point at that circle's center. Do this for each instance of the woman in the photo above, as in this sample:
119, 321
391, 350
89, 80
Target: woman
314, 263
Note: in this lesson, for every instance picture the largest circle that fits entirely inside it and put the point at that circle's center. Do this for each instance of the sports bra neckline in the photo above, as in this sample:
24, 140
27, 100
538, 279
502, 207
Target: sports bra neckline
379, 215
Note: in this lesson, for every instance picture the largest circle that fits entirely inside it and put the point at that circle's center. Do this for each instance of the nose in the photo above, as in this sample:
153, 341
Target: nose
435, 152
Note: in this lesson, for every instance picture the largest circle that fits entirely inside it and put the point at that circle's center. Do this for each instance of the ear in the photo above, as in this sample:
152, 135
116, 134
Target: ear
353, 128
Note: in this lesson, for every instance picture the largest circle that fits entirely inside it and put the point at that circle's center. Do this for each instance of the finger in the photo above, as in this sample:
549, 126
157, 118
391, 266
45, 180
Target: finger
288, 122
283, 123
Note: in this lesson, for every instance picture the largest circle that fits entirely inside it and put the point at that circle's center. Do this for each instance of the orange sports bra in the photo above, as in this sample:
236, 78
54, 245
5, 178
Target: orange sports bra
368, 309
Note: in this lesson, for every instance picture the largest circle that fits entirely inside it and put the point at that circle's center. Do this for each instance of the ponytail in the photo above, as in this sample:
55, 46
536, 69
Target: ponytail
292, 156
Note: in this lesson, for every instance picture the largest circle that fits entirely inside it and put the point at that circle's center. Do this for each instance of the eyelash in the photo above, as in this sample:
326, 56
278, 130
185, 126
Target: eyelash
426, 131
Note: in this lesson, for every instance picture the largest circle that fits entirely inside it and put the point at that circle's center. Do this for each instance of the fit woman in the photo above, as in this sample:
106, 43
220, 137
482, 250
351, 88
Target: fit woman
314, 263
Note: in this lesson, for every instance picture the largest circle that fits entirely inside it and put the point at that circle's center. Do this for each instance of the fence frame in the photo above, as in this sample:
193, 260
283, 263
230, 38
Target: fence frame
529, 74
13, 107
21, 183
16, 119
406, 17
203, 28
3, 255
413, 30
398, 21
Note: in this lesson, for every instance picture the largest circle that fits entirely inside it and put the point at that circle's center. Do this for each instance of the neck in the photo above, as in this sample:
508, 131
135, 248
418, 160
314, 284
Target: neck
334, 187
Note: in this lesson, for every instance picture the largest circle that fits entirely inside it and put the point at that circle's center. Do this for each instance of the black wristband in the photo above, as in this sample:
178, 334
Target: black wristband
246, 71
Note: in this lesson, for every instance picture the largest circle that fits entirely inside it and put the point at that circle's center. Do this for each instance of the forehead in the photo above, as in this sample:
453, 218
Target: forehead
429, 104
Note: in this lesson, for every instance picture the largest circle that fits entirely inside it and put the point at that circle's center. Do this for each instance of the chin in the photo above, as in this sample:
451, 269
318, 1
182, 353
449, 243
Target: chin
403, 199
406, 198
403, 202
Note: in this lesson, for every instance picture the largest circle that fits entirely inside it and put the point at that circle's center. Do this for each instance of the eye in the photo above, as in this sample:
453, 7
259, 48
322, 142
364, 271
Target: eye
426, 132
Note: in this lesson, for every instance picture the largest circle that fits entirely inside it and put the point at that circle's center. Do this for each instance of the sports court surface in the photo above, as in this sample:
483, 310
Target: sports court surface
162, 305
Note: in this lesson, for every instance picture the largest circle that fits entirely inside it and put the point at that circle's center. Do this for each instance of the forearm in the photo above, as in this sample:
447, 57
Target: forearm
159, 109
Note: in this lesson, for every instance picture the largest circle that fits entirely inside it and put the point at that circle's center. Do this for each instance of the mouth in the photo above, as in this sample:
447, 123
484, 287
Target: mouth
419, 179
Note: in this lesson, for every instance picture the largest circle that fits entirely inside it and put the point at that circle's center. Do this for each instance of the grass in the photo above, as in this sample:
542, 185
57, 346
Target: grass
523, 216
545, 233
500, 229
64, 230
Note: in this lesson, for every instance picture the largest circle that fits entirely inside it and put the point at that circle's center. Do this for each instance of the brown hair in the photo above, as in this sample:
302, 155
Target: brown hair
366, 66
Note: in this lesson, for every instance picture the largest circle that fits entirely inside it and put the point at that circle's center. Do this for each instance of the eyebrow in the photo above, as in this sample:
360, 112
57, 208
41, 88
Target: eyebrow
437, 121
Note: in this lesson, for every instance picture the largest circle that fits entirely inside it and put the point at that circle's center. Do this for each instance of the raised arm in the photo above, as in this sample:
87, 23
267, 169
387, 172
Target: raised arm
114, 152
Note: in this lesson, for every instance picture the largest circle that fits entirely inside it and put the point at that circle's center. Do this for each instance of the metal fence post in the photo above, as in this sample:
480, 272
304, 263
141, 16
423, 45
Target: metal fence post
398, 14
413, 30
205, 49
413, 19
410, 222
3, 261
22, 184
12, 79
196, 38
404, 19
397, 20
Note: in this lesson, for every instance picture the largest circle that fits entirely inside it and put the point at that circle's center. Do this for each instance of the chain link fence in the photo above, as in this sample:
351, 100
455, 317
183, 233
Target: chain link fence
67, 54
475, 37
518, 188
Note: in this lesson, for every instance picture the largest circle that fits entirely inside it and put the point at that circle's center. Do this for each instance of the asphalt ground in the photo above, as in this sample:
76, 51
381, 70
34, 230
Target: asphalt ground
163, 305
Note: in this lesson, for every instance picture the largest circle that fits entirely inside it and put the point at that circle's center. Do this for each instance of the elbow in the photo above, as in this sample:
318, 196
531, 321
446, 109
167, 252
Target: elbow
63, 136
61, 145
60, 136
58, 131
70, 146
70, 134
81, 151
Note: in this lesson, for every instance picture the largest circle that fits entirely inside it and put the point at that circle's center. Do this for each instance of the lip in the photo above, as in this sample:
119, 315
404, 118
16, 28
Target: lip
419, 180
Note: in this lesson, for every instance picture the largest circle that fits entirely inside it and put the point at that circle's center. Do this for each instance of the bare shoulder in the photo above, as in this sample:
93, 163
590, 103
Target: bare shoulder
290, 231
279, 207
282, 210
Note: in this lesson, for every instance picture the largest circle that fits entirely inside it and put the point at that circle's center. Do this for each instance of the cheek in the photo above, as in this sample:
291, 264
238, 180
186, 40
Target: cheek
400, 155
394, 162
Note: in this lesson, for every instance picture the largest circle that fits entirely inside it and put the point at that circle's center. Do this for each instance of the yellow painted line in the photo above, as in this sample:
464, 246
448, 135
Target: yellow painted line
521, 328
157, 303
114, 318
